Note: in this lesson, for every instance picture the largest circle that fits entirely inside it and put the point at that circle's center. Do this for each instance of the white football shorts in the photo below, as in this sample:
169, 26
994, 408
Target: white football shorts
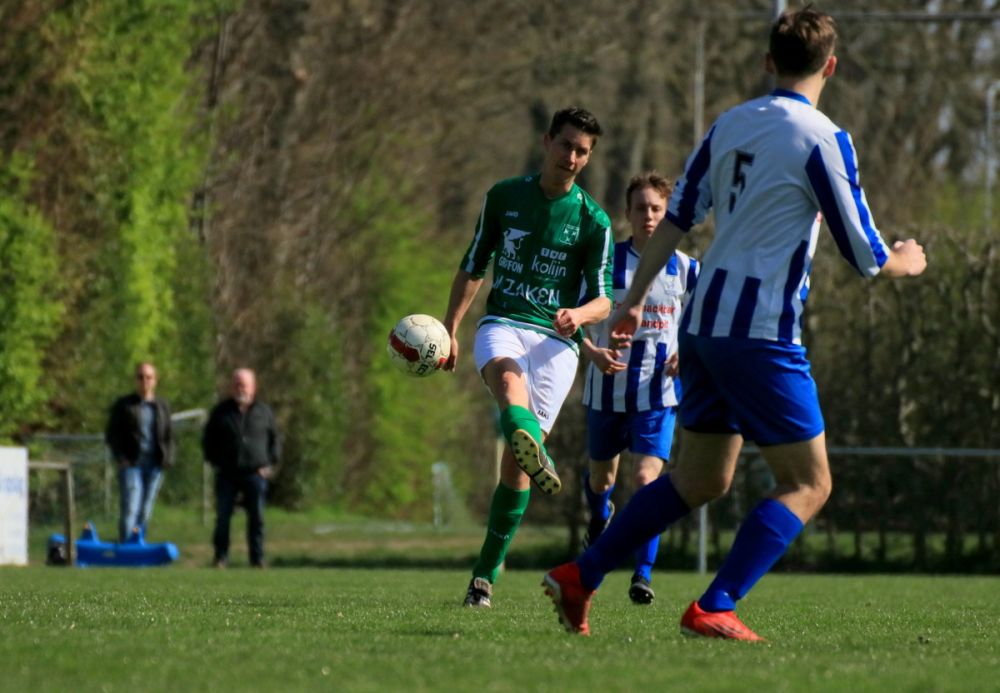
548, 363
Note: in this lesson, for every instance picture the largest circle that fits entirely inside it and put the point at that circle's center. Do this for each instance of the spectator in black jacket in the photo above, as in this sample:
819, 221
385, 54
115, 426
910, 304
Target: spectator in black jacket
141, 440
241, 442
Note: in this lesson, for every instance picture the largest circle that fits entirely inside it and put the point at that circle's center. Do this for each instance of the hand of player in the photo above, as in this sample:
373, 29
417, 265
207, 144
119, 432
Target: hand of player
912, 255
567, 322
606, 360
449, 365
624, 323
672, 366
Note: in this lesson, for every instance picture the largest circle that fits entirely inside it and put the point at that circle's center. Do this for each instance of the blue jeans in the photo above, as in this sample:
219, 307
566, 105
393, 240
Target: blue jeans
138, 486
253, 486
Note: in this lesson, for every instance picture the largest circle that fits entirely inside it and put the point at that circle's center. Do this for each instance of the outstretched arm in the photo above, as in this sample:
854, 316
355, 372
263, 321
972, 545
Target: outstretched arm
660, 247
463, 290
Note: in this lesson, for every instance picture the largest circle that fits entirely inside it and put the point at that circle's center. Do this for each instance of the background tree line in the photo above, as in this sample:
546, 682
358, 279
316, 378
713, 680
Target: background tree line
272, 183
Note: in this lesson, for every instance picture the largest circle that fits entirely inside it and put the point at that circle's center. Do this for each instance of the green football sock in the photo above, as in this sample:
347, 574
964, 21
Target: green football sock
515, 417
506, 512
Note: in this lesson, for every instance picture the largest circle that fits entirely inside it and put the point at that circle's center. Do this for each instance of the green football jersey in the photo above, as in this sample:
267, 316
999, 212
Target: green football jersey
544, 251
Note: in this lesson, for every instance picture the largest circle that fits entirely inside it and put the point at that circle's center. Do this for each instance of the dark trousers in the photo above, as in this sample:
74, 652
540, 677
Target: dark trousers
229, 484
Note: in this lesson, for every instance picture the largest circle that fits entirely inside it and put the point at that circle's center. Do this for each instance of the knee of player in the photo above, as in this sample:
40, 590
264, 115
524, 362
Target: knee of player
821, 489
601, 483
646, 470
643, 477
815, 491
719, 485
819, 483
705, 489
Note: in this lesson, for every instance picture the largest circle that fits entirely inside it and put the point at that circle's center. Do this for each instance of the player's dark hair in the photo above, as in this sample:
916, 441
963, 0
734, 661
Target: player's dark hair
648, 179
580, 118
801, 41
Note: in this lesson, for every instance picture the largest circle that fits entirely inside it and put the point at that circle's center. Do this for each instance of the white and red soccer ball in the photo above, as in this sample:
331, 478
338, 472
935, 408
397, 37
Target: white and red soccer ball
419, 345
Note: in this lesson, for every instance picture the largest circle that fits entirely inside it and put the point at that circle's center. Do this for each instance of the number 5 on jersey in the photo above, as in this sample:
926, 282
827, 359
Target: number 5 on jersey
743, 159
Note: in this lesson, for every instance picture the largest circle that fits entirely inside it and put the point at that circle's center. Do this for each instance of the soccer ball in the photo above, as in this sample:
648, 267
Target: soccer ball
419, 345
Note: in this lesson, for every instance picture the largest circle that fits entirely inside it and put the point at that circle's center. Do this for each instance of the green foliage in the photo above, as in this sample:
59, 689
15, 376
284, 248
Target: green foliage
907, 334
412, 421
914, 362
321, 417
133, 104
319, 158
29, 301
185, 362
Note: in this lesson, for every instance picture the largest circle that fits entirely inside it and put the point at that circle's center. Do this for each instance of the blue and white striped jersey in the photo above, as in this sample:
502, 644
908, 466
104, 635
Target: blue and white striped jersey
643, 386
771, 168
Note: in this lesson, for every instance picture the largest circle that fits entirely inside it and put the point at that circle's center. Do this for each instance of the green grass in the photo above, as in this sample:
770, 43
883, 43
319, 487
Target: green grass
323, 539
388, 629
352, 605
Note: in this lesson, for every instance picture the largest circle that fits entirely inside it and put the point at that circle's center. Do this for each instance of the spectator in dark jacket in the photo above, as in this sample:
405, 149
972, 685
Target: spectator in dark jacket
141, 440
241, 442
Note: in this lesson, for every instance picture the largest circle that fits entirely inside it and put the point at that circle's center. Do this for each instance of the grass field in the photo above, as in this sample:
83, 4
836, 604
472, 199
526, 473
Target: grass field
329, 627
363, 629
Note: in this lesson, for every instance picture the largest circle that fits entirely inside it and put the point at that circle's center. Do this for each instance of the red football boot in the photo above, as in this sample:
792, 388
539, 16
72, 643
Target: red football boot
721, 624
571, 598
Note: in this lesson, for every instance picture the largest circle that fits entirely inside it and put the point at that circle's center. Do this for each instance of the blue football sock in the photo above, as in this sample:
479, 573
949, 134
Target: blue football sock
762, 539
650, 511
597, 502
645, 557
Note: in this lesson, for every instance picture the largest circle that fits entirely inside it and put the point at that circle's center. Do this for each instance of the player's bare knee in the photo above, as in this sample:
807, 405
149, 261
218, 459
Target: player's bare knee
703, 490
720, 486
646, 470
819, 485
643, 478
807, 496
821, 489
601, 483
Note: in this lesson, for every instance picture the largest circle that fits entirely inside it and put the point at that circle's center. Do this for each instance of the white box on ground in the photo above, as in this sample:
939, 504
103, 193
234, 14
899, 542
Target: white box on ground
13, 506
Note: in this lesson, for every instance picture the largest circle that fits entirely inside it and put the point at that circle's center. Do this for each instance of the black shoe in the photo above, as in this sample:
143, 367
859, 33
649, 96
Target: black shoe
640, 591
479, 594
596, 527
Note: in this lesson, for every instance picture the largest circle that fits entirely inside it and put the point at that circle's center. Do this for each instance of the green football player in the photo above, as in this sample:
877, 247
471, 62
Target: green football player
550, 243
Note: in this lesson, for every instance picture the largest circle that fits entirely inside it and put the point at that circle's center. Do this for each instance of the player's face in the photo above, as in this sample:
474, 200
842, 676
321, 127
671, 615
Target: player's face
567, 153
646, 209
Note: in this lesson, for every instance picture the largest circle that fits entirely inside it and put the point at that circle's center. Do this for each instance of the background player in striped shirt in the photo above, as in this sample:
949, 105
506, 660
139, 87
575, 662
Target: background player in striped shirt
545, 237
768, 168
631, 396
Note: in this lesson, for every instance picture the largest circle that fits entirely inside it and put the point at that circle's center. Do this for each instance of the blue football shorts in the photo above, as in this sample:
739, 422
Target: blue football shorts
762, 389
643, 433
